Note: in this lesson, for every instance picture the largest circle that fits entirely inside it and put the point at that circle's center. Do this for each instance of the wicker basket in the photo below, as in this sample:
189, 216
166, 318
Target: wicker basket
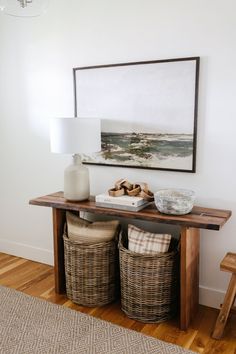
149, 284
92, 272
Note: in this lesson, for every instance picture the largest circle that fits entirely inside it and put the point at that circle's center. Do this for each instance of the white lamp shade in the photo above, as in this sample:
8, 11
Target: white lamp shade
75, 135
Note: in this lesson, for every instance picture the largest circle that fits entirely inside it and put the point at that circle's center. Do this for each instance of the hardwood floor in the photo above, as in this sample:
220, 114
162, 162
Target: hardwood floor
37, 279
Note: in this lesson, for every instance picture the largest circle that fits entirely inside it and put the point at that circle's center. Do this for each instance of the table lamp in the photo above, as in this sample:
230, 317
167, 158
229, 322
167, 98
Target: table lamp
76, 136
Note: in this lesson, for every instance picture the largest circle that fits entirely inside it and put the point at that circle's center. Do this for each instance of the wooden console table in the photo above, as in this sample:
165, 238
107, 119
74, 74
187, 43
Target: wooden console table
190, 225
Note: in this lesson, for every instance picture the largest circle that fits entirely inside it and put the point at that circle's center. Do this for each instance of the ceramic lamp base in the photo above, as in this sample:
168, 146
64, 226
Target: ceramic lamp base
76, 181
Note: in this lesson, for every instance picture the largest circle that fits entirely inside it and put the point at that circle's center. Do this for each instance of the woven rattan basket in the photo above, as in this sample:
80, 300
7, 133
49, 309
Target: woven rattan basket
92, 272
149, 284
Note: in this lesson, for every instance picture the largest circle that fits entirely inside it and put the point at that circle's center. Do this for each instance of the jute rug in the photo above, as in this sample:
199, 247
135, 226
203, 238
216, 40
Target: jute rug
30, 326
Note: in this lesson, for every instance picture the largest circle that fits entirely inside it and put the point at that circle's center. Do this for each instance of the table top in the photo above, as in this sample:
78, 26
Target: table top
200, 217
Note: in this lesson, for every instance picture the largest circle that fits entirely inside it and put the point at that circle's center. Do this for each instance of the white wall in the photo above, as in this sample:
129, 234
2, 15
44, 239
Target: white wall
36, 60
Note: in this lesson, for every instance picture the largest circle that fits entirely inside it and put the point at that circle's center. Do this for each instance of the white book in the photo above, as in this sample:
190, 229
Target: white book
122, 200
122, 207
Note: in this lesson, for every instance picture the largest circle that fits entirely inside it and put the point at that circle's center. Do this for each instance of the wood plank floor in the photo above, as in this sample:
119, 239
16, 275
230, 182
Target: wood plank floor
37, 280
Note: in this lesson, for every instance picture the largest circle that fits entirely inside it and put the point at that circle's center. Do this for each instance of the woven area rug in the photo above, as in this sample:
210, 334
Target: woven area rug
30, 326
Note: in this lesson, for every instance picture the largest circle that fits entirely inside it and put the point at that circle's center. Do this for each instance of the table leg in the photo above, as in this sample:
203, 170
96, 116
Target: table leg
189, 275
59, 270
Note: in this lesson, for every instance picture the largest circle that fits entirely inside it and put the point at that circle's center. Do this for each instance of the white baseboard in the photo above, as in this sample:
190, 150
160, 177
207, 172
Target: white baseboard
210, 297
25, 251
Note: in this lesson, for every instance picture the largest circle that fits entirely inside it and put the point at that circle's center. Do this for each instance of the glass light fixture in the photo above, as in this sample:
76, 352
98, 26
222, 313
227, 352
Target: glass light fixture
23, 8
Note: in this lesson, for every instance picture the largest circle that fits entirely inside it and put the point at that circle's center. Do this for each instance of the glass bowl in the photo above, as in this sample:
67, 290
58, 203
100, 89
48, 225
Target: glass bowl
174, 201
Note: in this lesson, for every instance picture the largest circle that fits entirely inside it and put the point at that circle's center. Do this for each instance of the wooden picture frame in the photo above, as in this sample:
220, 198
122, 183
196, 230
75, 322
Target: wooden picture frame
148, 111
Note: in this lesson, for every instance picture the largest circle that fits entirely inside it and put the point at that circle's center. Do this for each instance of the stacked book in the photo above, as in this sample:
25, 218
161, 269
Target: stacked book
123, 202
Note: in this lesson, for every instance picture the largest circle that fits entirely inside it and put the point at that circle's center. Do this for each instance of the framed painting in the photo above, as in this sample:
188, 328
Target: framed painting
148, 112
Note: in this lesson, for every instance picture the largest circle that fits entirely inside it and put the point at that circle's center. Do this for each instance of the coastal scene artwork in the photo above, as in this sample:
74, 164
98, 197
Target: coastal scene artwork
148, 112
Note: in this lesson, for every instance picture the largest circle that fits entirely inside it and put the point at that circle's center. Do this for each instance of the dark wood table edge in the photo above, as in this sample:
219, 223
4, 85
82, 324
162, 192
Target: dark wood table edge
200, 217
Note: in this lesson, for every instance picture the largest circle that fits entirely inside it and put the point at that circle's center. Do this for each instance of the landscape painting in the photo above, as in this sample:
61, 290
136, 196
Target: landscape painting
148, 112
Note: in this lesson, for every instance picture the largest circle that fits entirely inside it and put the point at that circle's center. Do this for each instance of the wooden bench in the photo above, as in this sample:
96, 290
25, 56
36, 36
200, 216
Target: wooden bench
228, 264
